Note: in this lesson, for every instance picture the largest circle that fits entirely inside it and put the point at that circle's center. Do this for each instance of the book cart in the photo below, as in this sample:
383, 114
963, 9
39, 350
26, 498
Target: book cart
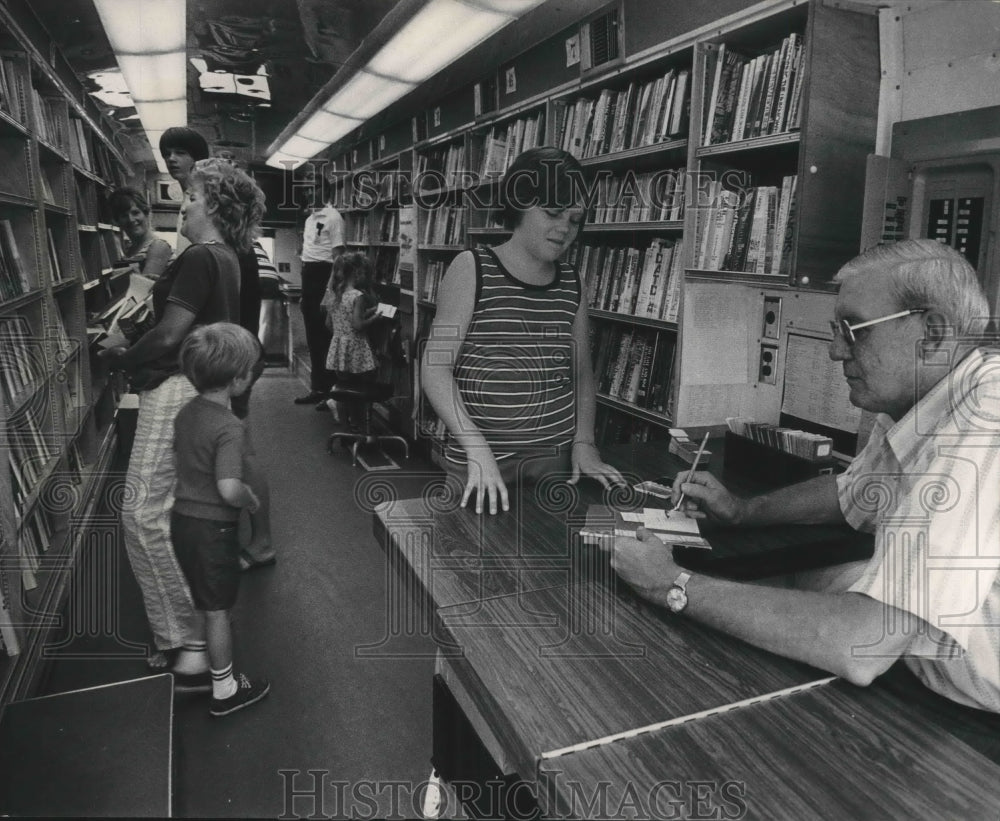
57, 401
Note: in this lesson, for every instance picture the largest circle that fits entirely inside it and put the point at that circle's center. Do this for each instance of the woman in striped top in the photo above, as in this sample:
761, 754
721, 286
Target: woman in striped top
506, 366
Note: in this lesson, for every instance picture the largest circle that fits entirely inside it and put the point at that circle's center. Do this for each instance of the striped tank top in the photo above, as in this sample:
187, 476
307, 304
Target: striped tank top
515, 369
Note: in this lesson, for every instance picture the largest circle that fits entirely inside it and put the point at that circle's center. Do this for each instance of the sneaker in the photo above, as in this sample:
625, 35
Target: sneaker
247, 692
193, 682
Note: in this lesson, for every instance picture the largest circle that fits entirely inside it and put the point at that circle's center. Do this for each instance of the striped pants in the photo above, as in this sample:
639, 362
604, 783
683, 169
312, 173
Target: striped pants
146, 517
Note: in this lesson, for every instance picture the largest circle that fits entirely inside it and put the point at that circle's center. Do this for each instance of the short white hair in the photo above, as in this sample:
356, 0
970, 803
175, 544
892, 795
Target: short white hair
924, 273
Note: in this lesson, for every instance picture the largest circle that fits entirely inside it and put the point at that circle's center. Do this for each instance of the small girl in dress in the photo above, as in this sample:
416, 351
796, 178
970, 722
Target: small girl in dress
350, 309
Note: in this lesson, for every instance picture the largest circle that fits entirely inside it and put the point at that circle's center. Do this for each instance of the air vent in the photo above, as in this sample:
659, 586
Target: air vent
600, 40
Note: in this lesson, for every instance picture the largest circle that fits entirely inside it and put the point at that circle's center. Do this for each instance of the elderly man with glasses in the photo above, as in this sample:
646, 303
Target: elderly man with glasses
908, 331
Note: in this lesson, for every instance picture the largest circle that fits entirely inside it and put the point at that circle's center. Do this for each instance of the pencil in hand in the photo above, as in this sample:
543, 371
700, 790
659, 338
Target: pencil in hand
694, 467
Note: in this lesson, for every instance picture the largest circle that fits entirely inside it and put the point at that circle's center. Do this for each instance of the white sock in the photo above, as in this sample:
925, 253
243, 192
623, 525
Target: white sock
223, 683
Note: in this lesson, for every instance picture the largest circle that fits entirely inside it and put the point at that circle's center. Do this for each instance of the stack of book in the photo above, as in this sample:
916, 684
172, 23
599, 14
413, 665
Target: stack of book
357, 228
754, 97
442, 167
432, 280
445, 226
20, 359
135, 321
644, 283
13, 277
749, 231
504, 142
388, 226
29, 454
79, 149
10, 99
642, 114
797, 442
8, 636
652, 196
634, 365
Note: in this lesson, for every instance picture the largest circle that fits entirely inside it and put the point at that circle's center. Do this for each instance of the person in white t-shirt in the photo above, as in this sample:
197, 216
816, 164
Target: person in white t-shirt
322, 243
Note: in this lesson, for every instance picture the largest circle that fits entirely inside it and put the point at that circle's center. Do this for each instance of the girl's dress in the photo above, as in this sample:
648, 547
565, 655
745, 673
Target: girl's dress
349, 349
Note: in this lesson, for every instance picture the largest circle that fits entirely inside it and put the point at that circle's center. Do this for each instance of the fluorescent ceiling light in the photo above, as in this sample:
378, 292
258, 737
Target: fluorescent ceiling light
365, 95
433, 38
419, 50
149, 40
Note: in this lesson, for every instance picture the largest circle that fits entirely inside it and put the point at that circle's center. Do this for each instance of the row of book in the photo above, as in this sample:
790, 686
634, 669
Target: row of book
34, 539
612, 427
388, 225
30, 453
632, 281
754, 97
502, 143
13, 275
86, 205
79, 148
445, 226
386, 265
21, 359
48, 119
8, 635
797, 442
356, 227
652, 196
634, 365
641, 114
432, 279
442, 166
10, 98
752, 233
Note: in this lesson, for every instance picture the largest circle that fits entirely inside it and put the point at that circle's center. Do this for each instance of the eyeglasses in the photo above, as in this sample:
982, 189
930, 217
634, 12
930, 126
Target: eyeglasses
844, 329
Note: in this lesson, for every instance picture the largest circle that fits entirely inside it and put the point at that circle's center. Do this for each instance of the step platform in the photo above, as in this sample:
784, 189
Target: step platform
100, 751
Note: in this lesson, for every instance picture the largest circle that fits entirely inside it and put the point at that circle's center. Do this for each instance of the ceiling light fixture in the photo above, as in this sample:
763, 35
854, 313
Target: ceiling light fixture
412, 44
149, 39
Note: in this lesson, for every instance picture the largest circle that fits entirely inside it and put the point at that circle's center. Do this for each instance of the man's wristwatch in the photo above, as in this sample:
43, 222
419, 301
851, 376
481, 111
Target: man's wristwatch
677, 597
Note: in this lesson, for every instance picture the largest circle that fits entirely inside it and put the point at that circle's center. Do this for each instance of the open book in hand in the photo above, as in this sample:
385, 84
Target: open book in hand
383, 309
671, 526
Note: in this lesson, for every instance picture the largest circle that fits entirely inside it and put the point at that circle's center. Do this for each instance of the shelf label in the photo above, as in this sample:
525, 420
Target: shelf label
510, 81
573, 50
436, 116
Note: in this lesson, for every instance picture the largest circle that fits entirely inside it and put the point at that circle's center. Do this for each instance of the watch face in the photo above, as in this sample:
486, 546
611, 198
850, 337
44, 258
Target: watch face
676, 599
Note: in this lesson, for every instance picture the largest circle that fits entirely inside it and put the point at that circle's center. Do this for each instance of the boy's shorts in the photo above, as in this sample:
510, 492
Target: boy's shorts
208, 552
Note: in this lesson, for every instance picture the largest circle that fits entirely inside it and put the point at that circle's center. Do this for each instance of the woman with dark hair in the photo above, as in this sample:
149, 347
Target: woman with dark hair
507, 365
130, 212
221, 213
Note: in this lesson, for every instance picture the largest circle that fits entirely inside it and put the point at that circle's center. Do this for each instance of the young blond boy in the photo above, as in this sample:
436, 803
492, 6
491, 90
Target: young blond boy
211, 447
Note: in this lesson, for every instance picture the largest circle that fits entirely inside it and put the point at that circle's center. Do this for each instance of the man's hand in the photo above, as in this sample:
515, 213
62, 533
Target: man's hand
485, 480
705, 497
587, 460
646, 564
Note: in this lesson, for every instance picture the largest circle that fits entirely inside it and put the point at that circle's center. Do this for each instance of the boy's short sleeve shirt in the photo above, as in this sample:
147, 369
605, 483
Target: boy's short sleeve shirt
210, 444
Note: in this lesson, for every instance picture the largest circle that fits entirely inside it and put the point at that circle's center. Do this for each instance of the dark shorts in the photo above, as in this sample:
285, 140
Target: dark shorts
208, 552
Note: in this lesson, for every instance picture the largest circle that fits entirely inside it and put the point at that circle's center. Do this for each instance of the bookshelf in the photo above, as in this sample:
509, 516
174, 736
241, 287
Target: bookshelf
57, 403
669, 177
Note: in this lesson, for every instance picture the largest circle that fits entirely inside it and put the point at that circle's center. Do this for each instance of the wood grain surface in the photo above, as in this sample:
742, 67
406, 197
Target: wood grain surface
835, 752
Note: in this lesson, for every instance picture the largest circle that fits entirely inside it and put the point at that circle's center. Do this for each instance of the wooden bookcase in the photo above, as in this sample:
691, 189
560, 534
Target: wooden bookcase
466, 141
57, 403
